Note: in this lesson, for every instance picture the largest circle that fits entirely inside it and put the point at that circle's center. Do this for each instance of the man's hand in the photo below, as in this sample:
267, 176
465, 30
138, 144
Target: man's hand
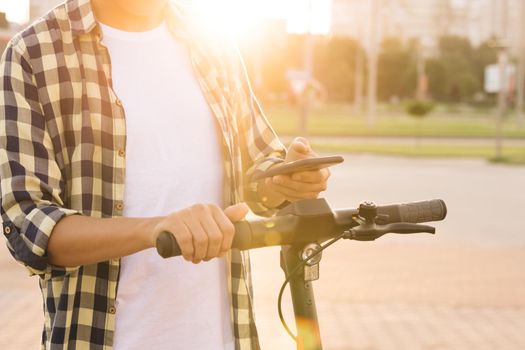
203, 231
299, 185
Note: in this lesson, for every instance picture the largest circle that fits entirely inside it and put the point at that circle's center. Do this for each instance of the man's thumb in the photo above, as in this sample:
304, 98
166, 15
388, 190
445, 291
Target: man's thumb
300, 145
236, 212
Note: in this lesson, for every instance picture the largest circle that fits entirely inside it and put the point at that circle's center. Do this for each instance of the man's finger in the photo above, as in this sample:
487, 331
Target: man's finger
299, 186
293, 194
226, 227
200, 238
300, 145
236, 212
184, 239
214, 236
311, 176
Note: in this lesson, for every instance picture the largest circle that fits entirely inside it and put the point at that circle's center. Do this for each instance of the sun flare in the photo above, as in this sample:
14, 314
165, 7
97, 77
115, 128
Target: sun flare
244, 18
16, 10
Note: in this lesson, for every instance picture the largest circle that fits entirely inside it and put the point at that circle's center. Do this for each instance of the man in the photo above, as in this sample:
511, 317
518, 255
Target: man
102, 93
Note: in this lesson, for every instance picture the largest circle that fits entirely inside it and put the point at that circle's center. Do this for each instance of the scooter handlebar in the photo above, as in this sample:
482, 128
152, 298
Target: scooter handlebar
282, 230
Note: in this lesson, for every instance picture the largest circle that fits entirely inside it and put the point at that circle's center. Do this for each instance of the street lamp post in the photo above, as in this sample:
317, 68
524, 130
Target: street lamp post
305, 98
521, 68
502, 45
502, 98
372, 62
358, 79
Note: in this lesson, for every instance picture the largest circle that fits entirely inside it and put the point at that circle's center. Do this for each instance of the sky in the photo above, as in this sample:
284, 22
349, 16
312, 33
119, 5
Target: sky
241, 12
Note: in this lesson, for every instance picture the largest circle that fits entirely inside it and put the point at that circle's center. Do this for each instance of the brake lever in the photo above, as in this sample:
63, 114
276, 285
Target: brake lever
370, 232
403, 227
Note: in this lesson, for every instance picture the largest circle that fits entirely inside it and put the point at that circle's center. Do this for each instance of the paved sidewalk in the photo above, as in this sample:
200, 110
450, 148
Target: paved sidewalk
378, 307
394, 326
21, 317
388, 296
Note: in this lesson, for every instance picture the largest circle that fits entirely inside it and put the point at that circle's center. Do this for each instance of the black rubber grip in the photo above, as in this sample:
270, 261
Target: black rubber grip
416, 212
167, 245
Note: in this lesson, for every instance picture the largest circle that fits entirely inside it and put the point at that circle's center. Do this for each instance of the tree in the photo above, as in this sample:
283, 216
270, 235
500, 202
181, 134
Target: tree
334, 66
456, 73
396, 69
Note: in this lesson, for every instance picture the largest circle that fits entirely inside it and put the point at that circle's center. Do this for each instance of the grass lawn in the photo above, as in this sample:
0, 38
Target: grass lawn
511, 154
338, 120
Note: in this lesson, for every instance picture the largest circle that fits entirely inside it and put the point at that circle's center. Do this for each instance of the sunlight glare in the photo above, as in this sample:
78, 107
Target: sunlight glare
240, 18
243, 18
16, 10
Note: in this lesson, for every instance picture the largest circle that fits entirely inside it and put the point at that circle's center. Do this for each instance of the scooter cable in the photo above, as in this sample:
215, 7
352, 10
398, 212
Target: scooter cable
290, 276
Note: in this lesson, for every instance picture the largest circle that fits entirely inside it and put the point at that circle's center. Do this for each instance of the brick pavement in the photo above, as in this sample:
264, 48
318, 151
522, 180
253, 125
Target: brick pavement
395, 326
367, 306
21, 317
389, 296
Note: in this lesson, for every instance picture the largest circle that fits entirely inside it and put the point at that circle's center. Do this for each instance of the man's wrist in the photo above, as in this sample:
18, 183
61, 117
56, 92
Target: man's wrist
268, 197
147, 231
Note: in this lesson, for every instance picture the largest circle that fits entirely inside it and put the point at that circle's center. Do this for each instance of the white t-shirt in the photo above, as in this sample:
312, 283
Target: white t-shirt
173, 160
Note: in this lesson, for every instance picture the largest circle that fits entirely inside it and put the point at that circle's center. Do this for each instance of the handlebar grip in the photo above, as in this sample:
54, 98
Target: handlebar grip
425, 211
167, 245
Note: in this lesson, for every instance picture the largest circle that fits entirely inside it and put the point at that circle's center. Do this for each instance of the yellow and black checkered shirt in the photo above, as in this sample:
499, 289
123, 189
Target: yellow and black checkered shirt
62, 136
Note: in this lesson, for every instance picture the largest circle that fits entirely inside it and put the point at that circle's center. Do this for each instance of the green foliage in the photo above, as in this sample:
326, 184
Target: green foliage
419, 109
334, 66
455, 74
438, 79
396, 70
333, 63
339, 120
514, 155
455, 71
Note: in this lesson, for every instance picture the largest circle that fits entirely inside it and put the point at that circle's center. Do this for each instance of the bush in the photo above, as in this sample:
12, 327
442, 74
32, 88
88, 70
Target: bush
418, 108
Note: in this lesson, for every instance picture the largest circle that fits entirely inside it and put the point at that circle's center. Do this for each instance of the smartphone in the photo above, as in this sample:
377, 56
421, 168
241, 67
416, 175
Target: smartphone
299, 165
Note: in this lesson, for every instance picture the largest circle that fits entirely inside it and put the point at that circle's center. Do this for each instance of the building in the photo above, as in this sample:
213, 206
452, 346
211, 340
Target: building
486, 19
350, 17
427, 20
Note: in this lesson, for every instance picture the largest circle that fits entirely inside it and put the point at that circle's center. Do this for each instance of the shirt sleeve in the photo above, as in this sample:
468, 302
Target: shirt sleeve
260, 145
31, 182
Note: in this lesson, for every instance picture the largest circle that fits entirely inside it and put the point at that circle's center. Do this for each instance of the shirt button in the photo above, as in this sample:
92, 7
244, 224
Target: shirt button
121, 153
112, 310
7, 230
119, 102
119, 206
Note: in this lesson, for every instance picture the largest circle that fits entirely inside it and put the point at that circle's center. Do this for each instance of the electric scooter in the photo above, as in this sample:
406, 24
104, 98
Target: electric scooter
304, 229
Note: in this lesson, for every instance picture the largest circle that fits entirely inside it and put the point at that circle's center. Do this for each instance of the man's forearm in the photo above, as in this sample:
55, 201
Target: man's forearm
82, 240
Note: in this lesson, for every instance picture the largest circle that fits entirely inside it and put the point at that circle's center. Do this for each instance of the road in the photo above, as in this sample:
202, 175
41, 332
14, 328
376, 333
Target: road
460, 289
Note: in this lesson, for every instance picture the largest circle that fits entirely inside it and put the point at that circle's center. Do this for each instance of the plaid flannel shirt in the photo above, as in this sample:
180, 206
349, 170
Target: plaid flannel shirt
62, 152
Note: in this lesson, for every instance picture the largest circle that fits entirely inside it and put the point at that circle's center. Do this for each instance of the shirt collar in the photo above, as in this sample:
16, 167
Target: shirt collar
81, 16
